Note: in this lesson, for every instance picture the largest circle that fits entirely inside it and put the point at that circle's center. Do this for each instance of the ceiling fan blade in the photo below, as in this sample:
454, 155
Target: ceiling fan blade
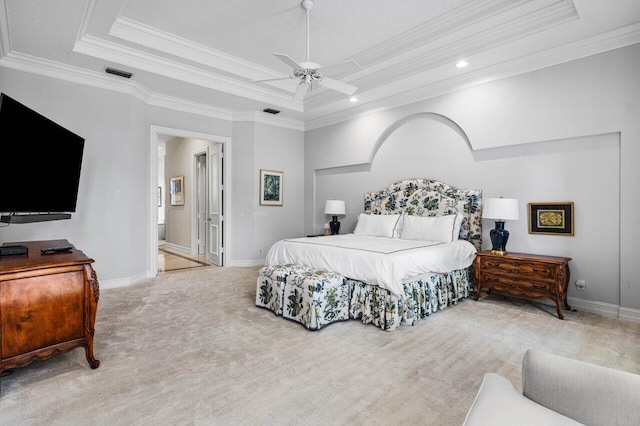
341, 68
301, 91
339, 86
287, 60
271, 79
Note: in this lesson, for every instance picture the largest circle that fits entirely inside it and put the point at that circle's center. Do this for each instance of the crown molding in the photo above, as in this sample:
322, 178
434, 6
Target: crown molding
269, 119
436, 28
56, 70
113, 52
162, 41
191, 107
396, 66
601, 43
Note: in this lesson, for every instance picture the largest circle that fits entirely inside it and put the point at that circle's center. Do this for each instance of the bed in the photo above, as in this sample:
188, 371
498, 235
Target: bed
409, 256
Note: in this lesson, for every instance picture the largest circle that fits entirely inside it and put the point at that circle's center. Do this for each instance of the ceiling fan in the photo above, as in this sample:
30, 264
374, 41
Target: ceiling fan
309, 73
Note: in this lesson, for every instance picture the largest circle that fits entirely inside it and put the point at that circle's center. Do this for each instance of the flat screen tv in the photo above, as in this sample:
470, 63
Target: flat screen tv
40, 163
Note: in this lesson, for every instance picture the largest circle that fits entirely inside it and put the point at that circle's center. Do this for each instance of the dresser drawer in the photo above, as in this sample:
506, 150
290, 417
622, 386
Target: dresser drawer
521, 283
539, 271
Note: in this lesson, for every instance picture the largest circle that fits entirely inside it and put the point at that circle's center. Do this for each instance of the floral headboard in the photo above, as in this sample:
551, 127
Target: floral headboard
424, 197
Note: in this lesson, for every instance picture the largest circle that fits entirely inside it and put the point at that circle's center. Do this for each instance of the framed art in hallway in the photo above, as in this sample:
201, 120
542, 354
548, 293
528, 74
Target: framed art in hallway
159, 196
270, 187
551, 218
177, 191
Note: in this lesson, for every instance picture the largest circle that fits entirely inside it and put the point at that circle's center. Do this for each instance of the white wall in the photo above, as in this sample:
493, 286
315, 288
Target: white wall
567, 133
281, 150
112, 224
257, 227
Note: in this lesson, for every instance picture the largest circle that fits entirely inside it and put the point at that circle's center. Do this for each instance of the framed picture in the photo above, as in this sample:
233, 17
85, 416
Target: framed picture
159, 196
177, 191
270, 188
551, 218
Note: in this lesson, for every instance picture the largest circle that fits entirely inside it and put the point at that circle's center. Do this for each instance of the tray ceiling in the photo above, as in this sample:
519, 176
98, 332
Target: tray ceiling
201, 56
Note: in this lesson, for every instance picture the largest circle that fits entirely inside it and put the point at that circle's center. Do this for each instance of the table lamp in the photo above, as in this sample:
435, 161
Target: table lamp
334, 208
500, 209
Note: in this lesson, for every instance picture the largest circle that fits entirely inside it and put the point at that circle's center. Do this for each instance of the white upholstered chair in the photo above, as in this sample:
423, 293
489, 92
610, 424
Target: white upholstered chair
558, 391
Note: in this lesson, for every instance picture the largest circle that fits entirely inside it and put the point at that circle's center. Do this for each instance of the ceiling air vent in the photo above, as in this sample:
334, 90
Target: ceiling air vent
118, 72
271, 111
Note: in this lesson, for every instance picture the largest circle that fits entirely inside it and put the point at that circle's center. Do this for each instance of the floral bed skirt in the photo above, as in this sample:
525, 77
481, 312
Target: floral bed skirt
422, 297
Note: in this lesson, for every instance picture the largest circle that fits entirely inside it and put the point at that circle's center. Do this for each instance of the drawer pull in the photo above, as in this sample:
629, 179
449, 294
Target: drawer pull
491, 279
545, 271
539, 286
515, 271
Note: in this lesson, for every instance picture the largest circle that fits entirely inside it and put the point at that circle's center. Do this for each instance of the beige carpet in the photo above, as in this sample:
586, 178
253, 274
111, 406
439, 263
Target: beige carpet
192, 348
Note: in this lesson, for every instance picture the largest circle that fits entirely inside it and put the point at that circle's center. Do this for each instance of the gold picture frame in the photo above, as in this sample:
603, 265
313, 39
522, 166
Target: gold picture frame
551, 218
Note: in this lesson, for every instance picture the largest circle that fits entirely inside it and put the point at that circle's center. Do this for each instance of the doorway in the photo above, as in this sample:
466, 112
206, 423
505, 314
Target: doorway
208, 230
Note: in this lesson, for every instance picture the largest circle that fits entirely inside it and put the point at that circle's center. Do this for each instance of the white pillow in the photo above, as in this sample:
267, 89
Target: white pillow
376, 225
429, 228
457, 225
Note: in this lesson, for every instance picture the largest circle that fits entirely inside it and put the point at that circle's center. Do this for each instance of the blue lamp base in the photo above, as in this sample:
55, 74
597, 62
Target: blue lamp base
334, 225
499, 237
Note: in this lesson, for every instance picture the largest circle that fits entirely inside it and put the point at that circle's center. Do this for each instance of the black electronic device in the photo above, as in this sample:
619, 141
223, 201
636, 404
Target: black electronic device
61, 249
42, 162
13, 250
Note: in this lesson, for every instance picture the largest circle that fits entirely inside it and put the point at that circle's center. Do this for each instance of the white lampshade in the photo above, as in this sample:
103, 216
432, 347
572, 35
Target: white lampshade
334, 207
501, 209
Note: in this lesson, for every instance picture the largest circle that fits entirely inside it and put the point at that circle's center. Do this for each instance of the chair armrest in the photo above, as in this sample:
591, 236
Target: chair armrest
588, 393
499, 403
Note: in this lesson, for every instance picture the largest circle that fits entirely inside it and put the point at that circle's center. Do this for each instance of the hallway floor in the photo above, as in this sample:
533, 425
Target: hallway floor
172, 260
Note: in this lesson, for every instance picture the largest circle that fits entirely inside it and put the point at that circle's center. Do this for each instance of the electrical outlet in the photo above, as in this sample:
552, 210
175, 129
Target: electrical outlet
581, 284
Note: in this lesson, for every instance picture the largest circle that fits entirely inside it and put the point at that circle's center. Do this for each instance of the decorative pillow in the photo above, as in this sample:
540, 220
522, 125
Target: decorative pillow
376, 225
429, 228
453, 206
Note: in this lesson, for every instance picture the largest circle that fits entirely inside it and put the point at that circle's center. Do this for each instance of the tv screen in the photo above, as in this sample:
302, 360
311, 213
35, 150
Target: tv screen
40, 161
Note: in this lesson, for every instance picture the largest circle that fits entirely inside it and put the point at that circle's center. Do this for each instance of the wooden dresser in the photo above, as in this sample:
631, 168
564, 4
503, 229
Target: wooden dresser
528, 275
48, 304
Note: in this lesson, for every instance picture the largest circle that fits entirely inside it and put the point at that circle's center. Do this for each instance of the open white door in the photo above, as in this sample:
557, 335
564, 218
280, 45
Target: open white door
215, 208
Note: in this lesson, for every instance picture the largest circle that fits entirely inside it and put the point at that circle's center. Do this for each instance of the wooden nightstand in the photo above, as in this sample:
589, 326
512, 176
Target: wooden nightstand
521, 274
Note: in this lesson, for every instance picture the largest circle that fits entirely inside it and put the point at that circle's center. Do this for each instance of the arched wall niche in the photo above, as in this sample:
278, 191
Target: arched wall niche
418, 116
421, 145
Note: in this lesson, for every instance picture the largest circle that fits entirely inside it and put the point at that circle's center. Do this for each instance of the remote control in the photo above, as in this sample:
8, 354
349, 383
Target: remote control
56, 249
13, 250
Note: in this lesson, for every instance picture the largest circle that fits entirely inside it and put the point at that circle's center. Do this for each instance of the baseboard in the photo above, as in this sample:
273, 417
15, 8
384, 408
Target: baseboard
247, 263
608, 310
121, 282
177, 248
630, 315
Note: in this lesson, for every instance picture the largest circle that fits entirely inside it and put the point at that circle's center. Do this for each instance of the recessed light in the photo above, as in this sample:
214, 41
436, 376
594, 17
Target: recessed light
461, 63
353, 99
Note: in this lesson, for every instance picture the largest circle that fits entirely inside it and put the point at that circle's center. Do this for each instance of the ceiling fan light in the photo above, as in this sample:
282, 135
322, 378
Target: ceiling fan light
353, 99
461, 63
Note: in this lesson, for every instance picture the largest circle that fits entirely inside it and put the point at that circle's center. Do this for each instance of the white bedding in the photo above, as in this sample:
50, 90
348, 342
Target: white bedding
381, 261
